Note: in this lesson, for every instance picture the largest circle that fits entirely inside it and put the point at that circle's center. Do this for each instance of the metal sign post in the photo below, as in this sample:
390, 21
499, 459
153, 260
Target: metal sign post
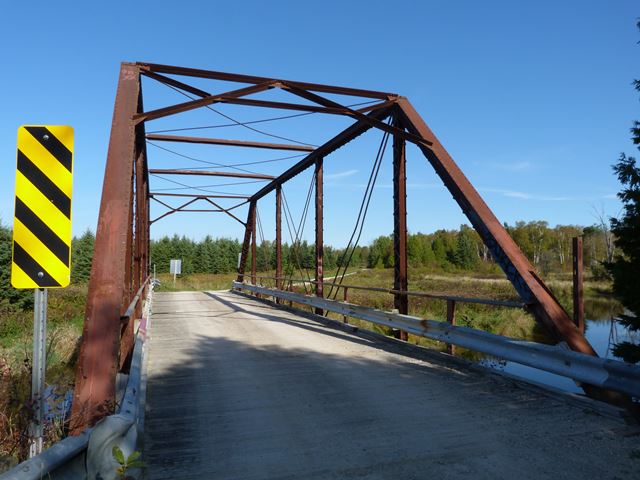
38, 369
41, 256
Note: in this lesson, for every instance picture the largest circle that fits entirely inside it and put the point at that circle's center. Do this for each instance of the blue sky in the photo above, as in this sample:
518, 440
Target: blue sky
533, 99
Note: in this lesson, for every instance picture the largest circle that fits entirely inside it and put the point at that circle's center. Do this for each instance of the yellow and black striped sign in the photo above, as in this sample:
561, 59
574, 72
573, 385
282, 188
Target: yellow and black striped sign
42, 222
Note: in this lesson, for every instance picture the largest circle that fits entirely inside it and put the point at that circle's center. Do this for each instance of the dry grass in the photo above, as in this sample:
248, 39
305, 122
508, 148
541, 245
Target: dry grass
65, 317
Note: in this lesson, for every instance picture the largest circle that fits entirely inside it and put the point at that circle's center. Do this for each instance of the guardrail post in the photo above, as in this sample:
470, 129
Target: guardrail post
319, 233
578, 287
451, 319
346, 299
400, 281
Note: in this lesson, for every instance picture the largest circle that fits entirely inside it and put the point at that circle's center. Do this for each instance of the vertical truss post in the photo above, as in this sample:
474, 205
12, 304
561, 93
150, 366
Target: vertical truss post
248, 230
319, 231
254, 250
126, 327
578, 287
400, 279
507, 254
279, 238
94, 394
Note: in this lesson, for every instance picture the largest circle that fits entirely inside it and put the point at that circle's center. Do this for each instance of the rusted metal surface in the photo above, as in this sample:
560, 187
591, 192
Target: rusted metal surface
234, 77
174, 210
202, 102
123, 230
400, 269
322, 151
223, 210
249, 227
254, 250
504, 250
412, 137
191, 195
98, 359
578, 284
279, 238
209, 173
126, 328
319, 178
229, 143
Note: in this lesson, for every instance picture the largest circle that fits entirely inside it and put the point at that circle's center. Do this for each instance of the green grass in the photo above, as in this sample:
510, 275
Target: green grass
64, 327
195, 282
510, 322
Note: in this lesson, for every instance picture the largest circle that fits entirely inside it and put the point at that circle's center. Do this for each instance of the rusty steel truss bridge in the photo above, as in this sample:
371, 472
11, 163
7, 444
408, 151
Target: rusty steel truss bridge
120, 276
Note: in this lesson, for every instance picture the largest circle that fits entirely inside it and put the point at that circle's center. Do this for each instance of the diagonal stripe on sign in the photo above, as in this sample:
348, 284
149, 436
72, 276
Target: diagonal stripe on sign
19, 279
55, 146
45, 161
42, 206
41, 230
39, 252
29, 266
27, 168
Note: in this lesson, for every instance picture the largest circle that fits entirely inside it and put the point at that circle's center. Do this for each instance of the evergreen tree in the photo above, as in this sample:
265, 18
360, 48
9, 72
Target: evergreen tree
16, 298
381, 253
626, 266
81, 257
466, 253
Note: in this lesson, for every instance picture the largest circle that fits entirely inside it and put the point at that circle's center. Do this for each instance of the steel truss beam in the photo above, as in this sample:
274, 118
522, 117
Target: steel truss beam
182, 208
322, 151
208, 173
121, 256
504, 250
162, 194
203, 102
234, 77
230, 143
268, 104
105, 341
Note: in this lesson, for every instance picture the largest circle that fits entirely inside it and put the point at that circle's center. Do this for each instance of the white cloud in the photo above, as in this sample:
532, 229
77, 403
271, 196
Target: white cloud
527, 196
522, 166
347, 173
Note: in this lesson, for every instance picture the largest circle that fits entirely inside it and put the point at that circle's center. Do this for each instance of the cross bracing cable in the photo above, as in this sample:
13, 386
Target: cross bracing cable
237, 122
251, 122
362, 214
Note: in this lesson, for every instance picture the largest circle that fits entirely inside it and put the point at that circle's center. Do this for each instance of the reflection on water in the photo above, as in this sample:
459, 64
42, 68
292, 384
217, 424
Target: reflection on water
601, 331
602, 309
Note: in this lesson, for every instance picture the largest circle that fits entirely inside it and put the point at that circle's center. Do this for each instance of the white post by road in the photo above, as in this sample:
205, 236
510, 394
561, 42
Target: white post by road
39, 366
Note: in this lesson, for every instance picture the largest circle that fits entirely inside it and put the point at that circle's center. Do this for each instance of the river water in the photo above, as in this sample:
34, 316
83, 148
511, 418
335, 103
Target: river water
602, 332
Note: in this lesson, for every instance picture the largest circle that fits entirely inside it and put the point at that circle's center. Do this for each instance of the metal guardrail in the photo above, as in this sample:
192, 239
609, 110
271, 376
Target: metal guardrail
89, 455
609, 374
391, 291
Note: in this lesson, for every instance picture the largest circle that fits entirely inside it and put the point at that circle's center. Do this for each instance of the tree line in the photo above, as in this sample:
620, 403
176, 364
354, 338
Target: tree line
548, 248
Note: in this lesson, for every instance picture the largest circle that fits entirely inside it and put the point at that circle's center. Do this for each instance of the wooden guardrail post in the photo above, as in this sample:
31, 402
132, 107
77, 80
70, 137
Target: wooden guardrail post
346, 299
451, 319
578, 287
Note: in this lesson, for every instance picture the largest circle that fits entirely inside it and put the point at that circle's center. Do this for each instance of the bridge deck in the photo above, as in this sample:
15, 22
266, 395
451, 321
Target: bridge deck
238, 389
